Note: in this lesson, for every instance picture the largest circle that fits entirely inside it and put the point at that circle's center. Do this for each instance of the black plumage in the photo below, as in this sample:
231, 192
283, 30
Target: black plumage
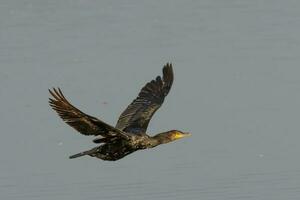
129, 134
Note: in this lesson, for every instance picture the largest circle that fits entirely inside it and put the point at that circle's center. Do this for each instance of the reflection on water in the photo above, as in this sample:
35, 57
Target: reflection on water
236, 90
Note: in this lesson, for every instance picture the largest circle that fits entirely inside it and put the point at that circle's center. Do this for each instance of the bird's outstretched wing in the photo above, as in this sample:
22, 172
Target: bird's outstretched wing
85, 124
136, 117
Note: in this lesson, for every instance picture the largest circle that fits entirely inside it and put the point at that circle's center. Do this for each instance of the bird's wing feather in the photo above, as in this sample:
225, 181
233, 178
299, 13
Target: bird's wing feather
83, 123
136, 117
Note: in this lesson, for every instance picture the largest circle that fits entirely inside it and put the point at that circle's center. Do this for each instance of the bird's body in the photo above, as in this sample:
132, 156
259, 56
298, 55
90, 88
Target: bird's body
129, 134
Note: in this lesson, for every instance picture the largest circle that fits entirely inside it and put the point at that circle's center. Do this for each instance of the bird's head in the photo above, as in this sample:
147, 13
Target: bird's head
170, 136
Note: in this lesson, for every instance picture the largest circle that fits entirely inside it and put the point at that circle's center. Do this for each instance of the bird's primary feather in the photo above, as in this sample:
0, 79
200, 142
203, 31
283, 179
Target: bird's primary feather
137, 115
83, 123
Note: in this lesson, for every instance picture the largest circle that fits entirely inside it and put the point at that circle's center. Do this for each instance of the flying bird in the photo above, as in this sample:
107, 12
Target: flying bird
129, 134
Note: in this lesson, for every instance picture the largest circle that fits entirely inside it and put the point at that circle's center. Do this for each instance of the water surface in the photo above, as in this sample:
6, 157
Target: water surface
236, 89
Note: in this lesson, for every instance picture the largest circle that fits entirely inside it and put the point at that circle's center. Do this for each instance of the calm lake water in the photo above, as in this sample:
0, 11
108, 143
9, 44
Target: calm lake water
236, 89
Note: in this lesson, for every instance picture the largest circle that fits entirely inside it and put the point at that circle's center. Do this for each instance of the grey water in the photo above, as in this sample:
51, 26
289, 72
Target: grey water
236, 89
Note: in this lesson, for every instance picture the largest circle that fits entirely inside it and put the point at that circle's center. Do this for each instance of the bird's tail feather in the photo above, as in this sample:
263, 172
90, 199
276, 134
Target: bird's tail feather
89, 152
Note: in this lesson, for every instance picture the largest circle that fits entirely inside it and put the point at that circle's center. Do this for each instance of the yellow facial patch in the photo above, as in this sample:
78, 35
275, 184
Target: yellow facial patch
177, 135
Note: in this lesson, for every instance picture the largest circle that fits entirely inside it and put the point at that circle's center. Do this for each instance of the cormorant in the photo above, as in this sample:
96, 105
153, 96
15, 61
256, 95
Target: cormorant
129, 134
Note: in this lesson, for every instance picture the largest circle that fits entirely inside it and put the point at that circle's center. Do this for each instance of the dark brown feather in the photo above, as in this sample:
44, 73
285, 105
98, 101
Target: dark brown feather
136, 117
83, 123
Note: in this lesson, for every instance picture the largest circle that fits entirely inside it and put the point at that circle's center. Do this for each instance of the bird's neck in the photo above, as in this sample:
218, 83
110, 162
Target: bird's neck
162, 138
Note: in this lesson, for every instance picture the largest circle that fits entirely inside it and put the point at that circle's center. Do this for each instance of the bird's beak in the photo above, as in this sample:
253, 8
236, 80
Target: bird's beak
186, 134
179, 135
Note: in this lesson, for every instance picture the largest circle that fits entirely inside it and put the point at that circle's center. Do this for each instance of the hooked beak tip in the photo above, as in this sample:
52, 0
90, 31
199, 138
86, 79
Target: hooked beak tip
187, 134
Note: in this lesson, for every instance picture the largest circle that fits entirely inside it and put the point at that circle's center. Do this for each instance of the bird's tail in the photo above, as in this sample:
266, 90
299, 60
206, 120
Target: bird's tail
89, 152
